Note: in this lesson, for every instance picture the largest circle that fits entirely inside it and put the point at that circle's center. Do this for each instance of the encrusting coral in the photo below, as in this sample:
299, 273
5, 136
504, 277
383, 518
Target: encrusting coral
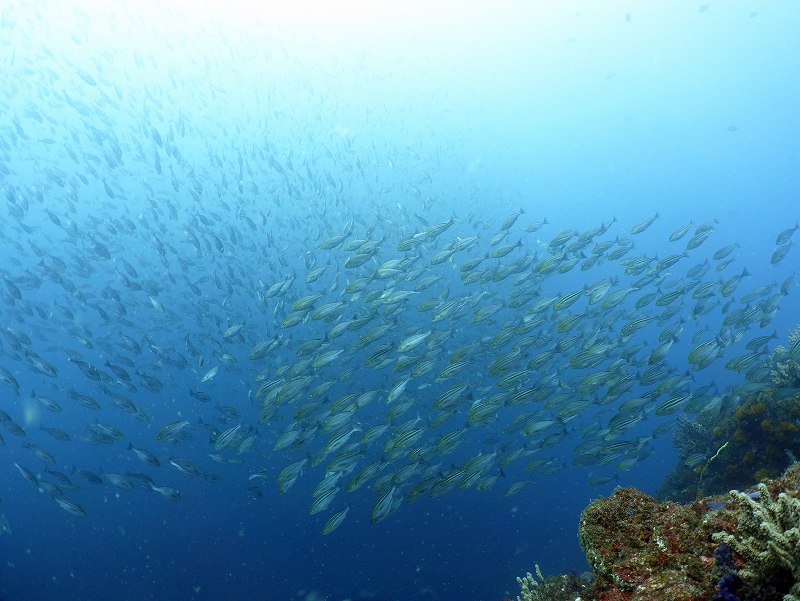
643, 550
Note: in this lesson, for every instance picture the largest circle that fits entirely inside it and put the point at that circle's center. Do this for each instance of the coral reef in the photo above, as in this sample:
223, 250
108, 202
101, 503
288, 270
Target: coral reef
727, 548
741, 546
731, 546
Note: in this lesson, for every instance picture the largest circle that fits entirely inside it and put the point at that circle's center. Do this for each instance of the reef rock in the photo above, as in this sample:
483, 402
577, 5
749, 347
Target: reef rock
644, 550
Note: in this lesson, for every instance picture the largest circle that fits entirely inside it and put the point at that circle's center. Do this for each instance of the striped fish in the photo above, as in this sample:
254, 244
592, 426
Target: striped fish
335, 521
383, 505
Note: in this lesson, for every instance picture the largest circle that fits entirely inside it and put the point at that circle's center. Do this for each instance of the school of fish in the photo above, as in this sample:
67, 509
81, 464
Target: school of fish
251, 316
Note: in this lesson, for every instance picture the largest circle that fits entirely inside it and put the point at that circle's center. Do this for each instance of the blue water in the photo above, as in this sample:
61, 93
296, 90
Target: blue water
150, 134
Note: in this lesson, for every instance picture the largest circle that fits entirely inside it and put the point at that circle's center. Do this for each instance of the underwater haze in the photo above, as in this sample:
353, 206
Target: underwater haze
368, 300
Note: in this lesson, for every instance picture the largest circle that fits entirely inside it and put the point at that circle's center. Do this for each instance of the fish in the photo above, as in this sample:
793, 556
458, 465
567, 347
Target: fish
39, 364
48, 403
184, 465
172, 430
210, 374
383, 506
27, 475
119, 481
40, 453
144, 455
680, 232
167, 492
289, 475
780, 253
411, 342
786, 235
643, 225
401, 351
70, 506
232, 330
509, 221
335, 521
698, 239
225, 439
9, 380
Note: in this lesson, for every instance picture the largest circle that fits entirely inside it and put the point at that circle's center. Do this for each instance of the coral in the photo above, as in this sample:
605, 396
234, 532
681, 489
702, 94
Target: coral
729, 582
794, 336
690, 437
785, 366
767, 538
791, 478
727, 586
744, 546
644, 550
530, 587
741, 546
759, 436
566, 587
785, 371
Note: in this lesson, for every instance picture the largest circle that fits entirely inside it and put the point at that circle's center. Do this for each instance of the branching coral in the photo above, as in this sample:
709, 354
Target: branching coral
564, 587
768, 539
530, 587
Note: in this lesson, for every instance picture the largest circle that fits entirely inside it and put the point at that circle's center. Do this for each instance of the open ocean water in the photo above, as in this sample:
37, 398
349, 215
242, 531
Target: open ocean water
317, 300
